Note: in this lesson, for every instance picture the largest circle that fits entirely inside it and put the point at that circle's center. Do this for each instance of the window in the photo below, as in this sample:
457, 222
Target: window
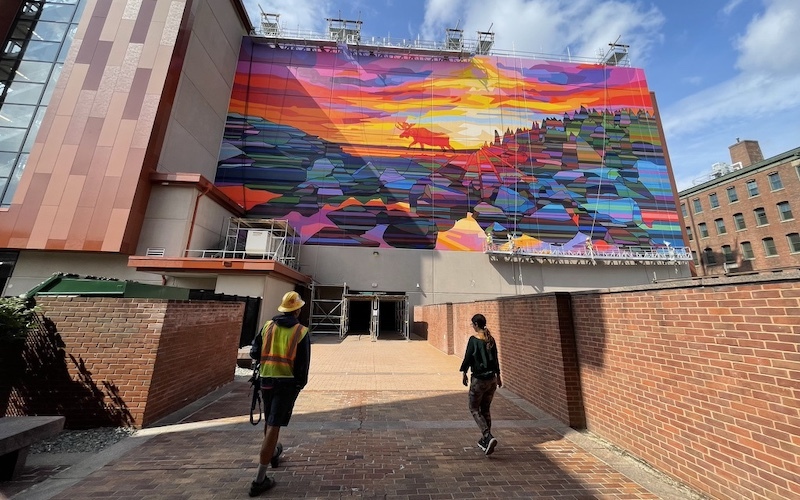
713, 200
785, 211
710, 258
732, 196
775, 181
747, 251
703, 230
694, 258
728, 254
684, 211
761, 216
738, 220
698, 208
720, 226
794, 242
752, 188
769, 247
689, 233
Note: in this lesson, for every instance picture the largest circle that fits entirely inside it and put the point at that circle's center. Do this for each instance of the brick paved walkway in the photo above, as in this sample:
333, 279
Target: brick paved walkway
378, 420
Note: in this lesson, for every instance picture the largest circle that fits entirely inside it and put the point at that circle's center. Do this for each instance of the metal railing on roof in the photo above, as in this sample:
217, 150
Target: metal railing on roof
392, 45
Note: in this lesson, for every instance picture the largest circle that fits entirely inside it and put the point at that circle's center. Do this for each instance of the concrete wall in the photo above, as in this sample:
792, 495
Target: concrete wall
269, 289
167, 220
112, 362
460, 276
697, 378
33, 267
196, 125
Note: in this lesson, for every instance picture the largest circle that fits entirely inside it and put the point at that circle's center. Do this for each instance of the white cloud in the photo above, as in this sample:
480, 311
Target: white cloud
730, 6
304, 15
550, 26
770, 43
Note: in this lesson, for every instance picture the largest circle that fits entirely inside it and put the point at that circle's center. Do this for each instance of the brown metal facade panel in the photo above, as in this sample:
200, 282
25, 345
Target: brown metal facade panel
76, 236
86, 185
183, 20
94, 178
87, 147
136, 96
143, 21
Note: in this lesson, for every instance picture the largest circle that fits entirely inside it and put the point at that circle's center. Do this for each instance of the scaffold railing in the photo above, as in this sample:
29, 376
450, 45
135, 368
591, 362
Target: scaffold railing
546, 253
263, 239
389, 45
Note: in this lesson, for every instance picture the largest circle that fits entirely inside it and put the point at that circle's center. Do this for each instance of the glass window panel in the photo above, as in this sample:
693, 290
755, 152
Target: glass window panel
689, 233
683, 210
761, 216
732, 196
32, 71
57, 12
16, 115
752, 188
720, 226
698, 208
42, 51
24, 93
51, 84
775, 181
11, 138
37, 122
769, 247
12, 49
739, 220
747, 251
22, 30
728, 253
785, 210
62, 56
794, 242
14, 181
7, 163
703, 230
711, 259
51, 32
713, 200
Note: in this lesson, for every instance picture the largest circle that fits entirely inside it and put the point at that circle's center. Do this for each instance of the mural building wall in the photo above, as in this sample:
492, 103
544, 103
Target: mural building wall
422, 154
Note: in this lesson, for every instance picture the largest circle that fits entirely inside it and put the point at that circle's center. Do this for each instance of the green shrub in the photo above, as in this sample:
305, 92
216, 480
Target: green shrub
17, 316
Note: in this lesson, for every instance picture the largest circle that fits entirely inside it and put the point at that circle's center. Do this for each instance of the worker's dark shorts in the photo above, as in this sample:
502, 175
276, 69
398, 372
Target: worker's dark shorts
279, 404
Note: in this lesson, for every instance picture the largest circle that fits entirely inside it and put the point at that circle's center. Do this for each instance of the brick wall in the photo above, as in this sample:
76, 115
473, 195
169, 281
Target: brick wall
111, 361
701, 379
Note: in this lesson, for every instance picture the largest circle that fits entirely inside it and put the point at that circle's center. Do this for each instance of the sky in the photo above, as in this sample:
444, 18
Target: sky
721, 70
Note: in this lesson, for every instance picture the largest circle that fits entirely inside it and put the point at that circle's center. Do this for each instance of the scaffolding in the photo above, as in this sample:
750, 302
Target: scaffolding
266, 239
546, 253
454, 46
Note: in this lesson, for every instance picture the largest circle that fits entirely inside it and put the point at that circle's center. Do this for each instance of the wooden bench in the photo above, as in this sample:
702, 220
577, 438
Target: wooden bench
17, 434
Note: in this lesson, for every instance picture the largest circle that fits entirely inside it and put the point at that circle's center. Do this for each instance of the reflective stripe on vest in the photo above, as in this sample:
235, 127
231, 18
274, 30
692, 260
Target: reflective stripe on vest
279, 350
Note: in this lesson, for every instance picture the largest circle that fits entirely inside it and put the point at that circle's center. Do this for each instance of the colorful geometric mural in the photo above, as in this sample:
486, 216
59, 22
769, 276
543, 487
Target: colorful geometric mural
411, 153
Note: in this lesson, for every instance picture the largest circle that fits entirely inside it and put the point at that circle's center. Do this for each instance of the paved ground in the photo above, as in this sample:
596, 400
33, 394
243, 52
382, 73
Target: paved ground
378, 420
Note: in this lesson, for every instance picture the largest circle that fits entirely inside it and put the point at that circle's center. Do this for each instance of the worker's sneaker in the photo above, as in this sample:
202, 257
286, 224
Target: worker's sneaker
259, 488
276, 456
483, 443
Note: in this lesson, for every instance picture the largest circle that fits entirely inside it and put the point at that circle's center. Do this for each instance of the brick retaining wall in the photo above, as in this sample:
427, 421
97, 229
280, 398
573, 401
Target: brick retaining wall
701, 379
113, 361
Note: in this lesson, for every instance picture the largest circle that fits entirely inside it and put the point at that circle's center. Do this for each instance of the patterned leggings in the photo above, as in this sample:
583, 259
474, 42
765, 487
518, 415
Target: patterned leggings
481, 393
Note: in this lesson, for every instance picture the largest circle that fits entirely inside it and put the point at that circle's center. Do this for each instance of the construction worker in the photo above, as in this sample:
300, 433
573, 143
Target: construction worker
283, 349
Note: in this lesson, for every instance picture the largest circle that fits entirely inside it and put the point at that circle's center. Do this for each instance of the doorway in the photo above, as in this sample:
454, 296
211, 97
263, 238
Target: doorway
377, 314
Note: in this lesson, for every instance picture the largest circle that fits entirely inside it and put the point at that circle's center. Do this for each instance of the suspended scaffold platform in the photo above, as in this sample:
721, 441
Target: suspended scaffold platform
555, 254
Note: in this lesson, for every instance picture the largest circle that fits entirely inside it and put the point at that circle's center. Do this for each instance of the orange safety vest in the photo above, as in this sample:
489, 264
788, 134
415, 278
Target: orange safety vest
279, 350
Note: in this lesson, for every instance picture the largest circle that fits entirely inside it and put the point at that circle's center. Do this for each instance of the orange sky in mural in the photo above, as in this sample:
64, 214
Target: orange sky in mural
466, 102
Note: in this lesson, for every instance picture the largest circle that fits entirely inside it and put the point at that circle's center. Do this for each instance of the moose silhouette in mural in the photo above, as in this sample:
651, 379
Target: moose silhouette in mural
424, 137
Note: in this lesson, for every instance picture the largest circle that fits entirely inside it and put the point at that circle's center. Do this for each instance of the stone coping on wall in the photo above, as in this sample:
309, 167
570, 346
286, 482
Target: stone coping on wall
701, 281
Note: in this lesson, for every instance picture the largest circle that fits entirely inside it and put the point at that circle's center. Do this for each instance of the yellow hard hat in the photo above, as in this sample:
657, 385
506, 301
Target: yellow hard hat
291, 302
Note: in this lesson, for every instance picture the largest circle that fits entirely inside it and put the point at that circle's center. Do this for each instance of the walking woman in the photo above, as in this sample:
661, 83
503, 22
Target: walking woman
481, 360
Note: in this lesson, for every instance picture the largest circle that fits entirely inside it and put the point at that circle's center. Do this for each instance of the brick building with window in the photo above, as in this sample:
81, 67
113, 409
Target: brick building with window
743, 218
